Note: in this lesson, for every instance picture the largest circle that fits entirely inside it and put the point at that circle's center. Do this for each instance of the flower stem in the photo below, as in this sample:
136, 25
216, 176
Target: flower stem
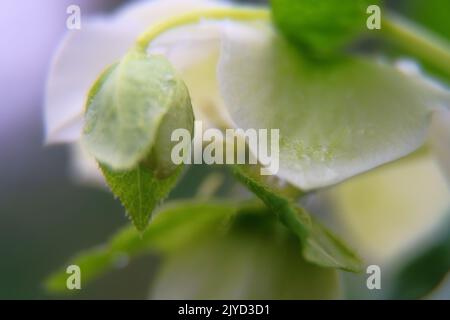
193, 17
418, 42
412, 38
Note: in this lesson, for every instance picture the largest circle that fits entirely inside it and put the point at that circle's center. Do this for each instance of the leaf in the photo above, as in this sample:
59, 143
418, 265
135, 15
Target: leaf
175, 225
127, 107
139, 190
431, 14
327, 250
257, 259
297, 220
321, 27
425, 269
335, 120
319, 245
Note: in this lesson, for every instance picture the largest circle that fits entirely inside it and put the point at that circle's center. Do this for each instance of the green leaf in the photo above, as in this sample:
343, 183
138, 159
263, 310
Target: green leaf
321, 27
319, 245
257, 259
327, 250
432, 14
175, 225
425, 268
131, 108
335, 120
297, 220
139, 190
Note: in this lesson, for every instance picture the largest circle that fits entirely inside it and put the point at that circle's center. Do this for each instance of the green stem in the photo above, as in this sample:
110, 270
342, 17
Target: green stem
418, 42
196, 16
415, 40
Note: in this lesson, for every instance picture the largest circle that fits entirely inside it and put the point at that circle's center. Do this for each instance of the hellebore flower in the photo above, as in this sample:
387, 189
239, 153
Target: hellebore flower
336, 120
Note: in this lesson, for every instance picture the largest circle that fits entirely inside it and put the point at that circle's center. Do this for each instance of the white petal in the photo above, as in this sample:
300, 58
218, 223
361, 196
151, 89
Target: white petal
385, 212
82, 56
83, 167
84, 53
194, 52
335, 120
144, 13
440, 140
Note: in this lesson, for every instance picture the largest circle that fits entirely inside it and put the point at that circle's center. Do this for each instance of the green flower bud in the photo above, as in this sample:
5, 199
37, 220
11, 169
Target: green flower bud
132, 110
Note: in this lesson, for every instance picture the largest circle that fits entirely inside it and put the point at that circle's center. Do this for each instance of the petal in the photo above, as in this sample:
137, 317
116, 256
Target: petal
387, 210
144, 13
440, 140
83, 167
85, 53
336, 120
194, 52
81, 57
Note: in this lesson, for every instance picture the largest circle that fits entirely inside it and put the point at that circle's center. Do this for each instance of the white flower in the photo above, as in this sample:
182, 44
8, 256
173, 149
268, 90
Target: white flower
335, 122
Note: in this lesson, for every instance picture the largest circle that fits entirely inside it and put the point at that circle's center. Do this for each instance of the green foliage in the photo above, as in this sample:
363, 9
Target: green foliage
321, 27
208, 243
433, 14
129, 106
319, 245
174, 226
425, 269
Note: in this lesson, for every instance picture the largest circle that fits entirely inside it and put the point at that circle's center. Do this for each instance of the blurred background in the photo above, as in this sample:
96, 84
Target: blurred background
46, 217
